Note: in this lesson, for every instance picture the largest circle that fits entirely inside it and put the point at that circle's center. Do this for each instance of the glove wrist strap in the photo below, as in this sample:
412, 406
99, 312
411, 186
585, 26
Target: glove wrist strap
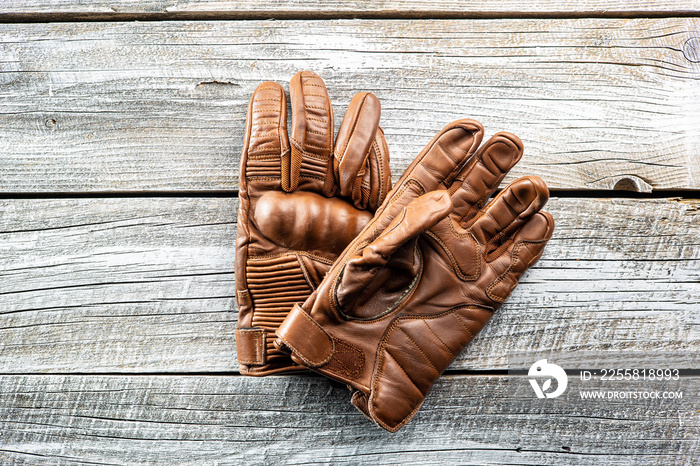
305, 337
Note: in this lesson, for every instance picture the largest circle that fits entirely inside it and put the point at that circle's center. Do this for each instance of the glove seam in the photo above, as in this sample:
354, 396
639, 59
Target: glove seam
344, 370
333, 293
303, 357
306, 144
513, 261
380, 169
418, 161
371, 405
354, 125
453, 261
258, 350
440, 339
292, 253
454, 171
263, 178
420, 349
305, 272
378, 371
399, 192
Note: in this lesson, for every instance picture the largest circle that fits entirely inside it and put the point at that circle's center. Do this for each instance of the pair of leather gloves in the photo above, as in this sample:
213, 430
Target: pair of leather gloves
374, 287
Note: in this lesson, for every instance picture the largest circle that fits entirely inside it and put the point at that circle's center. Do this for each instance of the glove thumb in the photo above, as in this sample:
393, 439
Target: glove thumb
365, 273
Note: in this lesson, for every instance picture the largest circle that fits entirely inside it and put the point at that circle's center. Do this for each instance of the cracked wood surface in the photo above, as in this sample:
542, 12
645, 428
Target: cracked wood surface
147, 285
117, 314
286, 8
50, 419
160, 106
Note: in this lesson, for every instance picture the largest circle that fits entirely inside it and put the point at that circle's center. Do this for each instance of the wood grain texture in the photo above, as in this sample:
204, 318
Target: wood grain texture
320, 8
134, 106
147, 285
304, 420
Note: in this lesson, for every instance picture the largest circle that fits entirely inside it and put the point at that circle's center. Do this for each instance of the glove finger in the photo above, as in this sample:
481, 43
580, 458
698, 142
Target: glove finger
266, 141
480, 177
362, 269
420, 215
355, 139
371, 189
525, 248
380, 172
308, 166
438, 163
508, 211
434, 168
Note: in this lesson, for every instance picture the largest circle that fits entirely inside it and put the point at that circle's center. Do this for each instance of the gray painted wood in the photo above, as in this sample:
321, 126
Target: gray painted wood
114, 287
147, 285
319, 8
139, 106
304, 420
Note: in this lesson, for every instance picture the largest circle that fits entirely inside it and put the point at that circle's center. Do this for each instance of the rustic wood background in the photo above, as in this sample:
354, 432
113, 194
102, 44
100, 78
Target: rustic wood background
120, 137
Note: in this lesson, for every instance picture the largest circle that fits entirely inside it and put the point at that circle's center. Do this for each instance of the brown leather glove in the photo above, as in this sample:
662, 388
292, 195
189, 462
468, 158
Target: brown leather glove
302, 200
424, 276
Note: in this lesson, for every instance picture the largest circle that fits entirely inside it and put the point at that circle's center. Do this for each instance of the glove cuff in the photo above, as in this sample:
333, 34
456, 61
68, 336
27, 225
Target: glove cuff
250, 346
305, 337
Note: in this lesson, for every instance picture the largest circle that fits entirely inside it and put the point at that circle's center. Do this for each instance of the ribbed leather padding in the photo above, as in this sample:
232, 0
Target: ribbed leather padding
275, 285
314, 168
267, 166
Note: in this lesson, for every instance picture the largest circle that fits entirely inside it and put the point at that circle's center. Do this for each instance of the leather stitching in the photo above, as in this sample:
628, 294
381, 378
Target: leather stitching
292, 253
344, 369
306, 144
418, 161
376, 152
301, 149
259, 353
380, 356
397, 194
301, 355
420, 349
459, 318
305, 272
439, 339
264, 135
354, 125
403, 370
513, 261
370, 402
453, 261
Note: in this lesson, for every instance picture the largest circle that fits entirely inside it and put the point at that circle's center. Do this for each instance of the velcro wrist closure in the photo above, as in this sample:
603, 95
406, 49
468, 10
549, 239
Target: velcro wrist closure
250, 346
303, 335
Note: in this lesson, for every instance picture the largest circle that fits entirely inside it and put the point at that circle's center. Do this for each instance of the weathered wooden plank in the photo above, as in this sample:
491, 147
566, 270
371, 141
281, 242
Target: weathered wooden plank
303, 420
147, 285
292, 8
138, 106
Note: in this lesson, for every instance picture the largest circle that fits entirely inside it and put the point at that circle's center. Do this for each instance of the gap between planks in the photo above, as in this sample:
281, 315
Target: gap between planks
158, 10
37, 18
686, 194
